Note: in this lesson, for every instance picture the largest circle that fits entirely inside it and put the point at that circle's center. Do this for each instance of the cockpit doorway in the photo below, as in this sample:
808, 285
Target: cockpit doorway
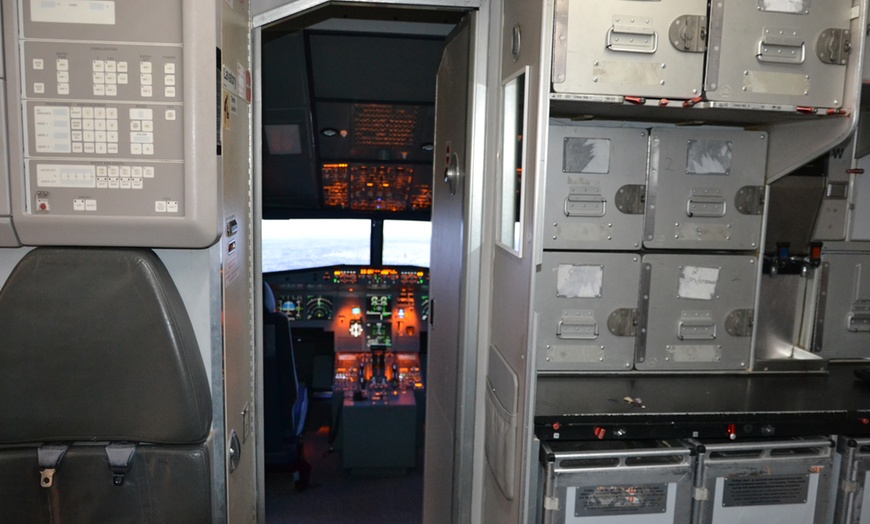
341, 89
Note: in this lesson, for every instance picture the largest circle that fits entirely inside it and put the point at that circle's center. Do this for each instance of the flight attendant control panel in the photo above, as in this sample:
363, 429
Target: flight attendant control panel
105, 102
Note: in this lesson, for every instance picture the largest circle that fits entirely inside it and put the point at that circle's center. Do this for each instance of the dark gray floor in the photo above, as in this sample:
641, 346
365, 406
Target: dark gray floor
336, 496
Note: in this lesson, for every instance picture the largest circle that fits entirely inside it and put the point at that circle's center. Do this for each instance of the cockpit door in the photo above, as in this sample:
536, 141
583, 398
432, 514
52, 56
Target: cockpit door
451, 367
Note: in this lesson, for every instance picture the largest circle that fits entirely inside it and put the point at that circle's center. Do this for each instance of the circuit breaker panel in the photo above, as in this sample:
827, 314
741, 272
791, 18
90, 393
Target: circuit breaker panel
106, 116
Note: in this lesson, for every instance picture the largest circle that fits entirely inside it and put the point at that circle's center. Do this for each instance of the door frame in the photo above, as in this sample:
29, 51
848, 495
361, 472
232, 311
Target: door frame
469, 466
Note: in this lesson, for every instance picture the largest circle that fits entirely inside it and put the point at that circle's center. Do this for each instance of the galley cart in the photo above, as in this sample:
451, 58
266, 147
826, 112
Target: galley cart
854, 457
783, 481
644, 482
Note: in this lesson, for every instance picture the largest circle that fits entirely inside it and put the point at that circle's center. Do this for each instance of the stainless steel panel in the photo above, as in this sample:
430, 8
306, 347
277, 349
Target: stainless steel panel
843, 315
687, 309
782, 310
782, 52
853, 499
614, 482
587, 304
776, 482
624, 47
705, 189
596, 183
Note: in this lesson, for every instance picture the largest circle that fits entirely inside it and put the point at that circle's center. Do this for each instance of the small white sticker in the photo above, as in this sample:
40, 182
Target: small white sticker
784, 6
698, 282
579, 281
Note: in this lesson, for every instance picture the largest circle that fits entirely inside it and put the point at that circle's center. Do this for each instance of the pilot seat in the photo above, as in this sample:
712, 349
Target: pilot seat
285, 398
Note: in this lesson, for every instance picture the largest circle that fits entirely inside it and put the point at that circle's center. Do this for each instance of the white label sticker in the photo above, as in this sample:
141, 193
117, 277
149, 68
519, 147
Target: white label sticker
698, 282
579, 281
784, 6
60, 175
51, 127
73, 12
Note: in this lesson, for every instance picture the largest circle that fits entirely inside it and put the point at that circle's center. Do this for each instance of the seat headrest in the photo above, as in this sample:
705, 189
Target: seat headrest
97, 345
269, 303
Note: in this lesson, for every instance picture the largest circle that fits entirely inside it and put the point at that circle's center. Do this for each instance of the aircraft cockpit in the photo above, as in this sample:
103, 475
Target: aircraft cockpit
359, 339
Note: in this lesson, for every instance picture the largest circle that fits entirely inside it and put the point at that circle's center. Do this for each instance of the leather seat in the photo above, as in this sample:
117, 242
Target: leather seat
285, 398
105, 406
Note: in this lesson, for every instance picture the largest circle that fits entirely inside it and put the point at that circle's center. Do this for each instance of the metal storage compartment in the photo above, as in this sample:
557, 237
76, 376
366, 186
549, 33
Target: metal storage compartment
705, 188
613, 482
842, 327
596, 184
770, 482
629, 48
696, 312
587, 309
852, 497
778, 54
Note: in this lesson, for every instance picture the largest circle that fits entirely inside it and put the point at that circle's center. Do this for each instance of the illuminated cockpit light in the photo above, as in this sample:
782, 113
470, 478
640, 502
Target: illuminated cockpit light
356, 328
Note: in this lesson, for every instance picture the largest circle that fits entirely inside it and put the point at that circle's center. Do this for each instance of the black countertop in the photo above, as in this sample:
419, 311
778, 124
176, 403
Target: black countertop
640, 406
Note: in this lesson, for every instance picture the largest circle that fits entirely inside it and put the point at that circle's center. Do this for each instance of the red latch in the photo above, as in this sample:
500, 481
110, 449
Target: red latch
600, 432
807, 110
635, 100
692, 101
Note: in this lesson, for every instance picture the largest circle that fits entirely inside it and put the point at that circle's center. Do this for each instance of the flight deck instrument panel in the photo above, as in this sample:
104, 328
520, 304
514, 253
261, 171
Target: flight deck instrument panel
377, 317
102, 97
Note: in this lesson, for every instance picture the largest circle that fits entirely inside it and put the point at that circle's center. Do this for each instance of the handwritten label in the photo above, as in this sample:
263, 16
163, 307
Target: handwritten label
698, 282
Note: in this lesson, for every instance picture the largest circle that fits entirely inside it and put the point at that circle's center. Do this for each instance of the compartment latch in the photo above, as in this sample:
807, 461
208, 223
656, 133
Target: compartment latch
859, 316
631, 199
749, 200
623, 322
688, 33
833, 46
